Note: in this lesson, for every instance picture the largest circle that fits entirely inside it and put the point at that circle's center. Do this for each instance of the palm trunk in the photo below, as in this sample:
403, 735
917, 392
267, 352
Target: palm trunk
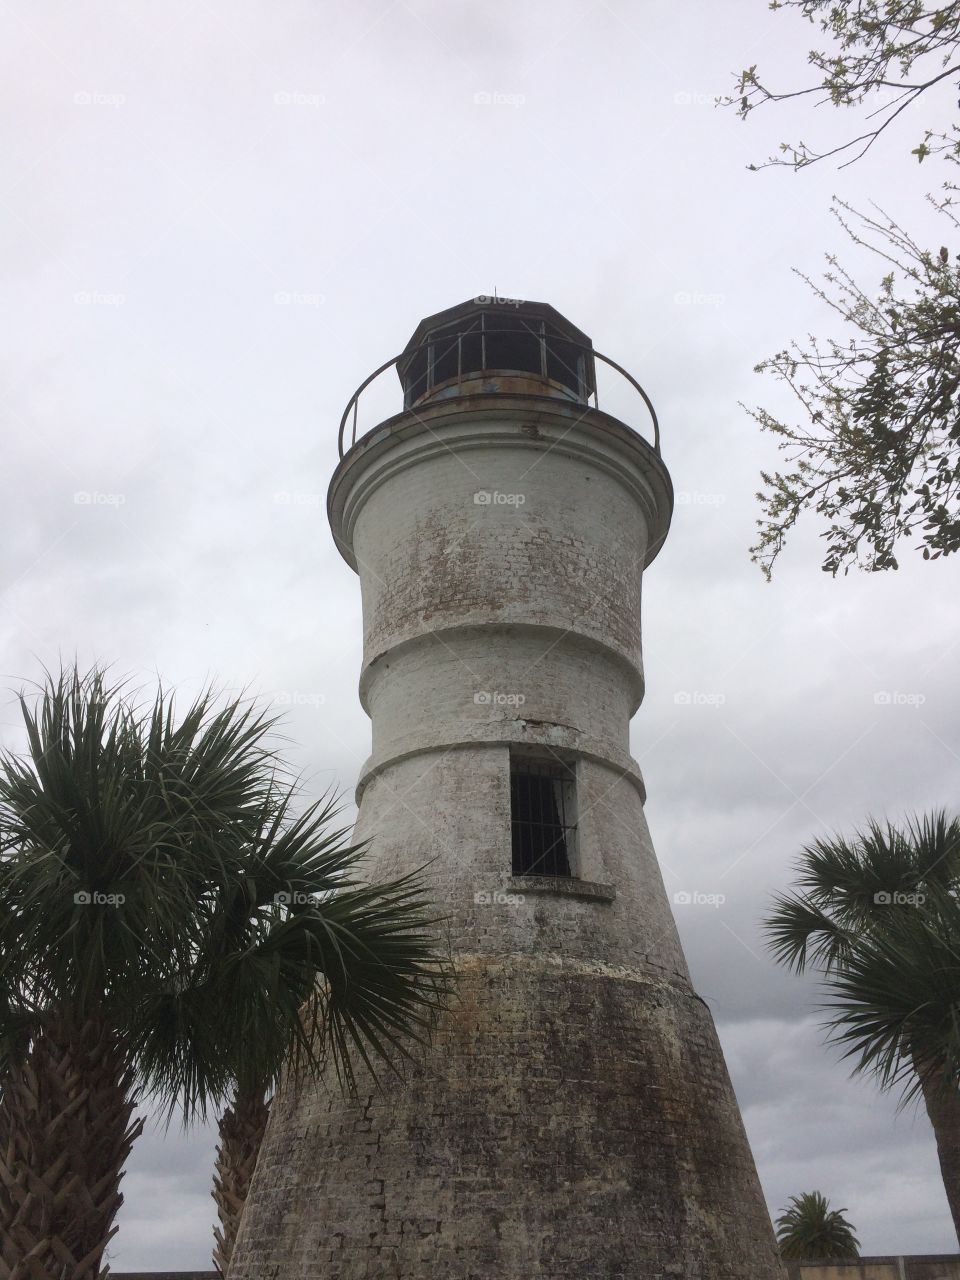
65, 1134
242, 1126
943, 1108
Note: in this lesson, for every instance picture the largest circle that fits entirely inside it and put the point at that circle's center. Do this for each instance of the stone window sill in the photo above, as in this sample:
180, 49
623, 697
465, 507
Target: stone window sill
562, 887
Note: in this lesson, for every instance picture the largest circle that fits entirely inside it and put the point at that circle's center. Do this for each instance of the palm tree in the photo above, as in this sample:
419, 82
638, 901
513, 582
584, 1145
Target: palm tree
879, 917
241, 1126
809, 1229
160, 939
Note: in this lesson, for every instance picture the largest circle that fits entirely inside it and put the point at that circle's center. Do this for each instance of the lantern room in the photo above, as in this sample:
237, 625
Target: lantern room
492, 344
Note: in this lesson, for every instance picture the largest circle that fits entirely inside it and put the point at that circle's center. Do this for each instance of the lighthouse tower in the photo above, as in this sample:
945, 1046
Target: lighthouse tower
573, 1117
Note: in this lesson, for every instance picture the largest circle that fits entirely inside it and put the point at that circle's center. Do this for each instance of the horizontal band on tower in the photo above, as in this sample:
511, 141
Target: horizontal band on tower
557, 736
555, 631
575, 967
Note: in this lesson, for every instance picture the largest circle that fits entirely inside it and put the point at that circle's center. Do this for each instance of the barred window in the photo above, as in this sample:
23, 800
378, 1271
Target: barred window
543, 816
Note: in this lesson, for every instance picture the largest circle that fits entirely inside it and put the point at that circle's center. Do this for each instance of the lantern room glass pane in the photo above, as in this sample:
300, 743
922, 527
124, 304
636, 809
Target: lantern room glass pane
444, 349
415, 376
512, 343
564, 363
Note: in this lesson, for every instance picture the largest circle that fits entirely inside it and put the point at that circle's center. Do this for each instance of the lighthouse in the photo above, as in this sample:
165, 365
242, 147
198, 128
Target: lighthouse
573, 1116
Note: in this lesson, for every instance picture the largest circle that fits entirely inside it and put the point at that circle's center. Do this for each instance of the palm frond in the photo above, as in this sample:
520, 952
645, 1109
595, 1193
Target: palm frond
878, 915
896, 1002
800, 932
155, 869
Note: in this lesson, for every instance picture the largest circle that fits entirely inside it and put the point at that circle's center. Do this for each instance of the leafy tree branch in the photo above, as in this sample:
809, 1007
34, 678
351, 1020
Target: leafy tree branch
877, 450
888, 52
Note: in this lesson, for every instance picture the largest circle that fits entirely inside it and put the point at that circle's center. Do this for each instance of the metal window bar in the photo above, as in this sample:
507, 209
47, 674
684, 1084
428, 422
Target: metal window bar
542, 827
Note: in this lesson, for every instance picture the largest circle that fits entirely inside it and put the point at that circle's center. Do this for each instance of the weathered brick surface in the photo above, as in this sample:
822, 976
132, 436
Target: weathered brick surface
451, 810
567, 551
569, 1122
574, 1118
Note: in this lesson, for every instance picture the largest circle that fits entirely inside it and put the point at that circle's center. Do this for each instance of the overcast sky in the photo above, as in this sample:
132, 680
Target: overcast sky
218, 218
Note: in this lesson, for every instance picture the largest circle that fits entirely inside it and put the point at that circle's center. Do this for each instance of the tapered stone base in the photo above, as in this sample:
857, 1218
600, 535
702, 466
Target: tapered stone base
570, 1121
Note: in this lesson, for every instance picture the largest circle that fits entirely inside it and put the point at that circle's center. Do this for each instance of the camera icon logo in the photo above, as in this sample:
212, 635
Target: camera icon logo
882, 898
682, 898
482, 498
483, 699
82, 898
282, 897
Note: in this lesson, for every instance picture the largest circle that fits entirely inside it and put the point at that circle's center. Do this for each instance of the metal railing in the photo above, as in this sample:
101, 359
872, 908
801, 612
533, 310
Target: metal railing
591, 399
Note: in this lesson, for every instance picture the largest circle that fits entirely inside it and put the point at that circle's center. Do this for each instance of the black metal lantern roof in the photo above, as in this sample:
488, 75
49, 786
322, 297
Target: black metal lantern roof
500, 307
490, 335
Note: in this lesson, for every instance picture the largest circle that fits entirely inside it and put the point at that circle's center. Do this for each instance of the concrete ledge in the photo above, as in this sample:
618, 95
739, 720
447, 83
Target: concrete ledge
562, 886
921, 1266
918, 1266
